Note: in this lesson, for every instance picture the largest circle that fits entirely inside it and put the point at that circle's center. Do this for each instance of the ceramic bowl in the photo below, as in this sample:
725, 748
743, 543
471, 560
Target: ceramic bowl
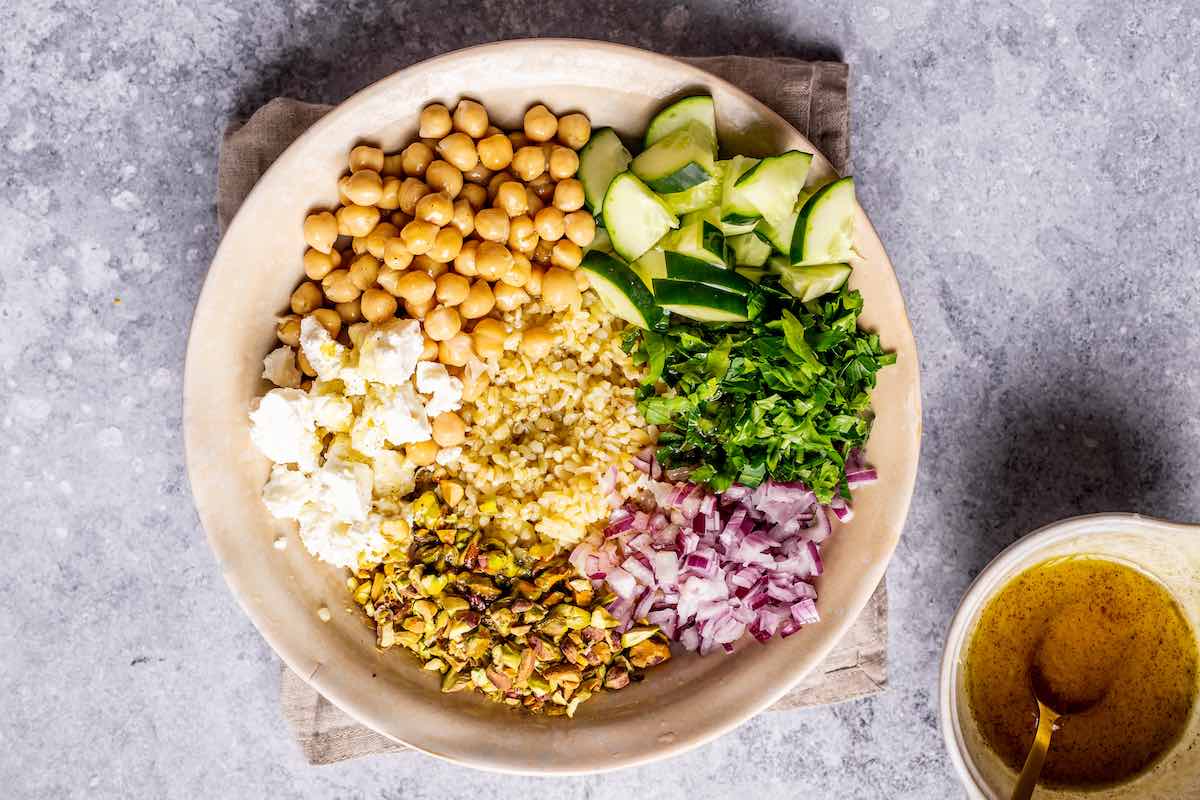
1167, 551
684, 703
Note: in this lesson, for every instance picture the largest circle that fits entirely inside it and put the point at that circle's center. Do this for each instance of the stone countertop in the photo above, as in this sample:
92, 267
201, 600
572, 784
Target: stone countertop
1031, 169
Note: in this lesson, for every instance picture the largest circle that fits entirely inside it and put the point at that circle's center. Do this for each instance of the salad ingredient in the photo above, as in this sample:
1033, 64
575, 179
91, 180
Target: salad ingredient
699, 109
786, 397
680, 160
735, 205
601, 159
824, 230
809, 283
620, 289
635, 217
699, 236
701, 196
686, 268
700, 302
772, 185
749, 249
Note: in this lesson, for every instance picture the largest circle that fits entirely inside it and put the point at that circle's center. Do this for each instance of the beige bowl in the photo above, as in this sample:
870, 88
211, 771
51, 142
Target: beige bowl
681, 705
1168, 551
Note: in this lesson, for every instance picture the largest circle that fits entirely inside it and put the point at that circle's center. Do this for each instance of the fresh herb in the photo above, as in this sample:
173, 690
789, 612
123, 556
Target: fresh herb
785, 396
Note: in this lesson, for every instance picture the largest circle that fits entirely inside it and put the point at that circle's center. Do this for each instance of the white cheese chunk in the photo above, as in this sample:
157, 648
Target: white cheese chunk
393, 474
446, 390
282, 427
287, 492
390, 350
345, 489
279, 367
391, 415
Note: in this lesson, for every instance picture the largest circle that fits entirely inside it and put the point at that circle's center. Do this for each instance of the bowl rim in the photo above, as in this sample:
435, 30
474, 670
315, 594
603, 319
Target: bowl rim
284, 650
982, 589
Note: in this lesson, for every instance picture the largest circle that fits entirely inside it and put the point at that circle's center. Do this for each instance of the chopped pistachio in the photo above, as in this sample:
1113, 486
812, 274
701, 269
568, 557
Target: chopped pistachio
649, 653
639, 633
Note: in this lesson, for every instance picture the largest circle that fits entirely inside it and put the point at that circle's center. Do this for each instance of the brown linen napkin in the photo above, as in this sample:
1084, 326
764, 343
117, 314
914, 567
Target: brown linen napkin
809, 95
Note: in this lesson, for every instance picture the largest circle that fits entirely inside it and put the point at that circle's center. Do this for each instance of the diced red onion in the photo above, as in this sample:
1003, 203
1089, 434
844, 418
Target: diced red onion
623, 583
640, 572
804, 612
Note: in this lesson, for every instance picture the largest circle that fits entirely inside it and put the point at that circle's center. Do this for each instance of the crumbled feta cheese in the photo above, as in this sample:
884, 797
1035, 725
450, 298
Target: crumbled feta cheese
287, 492
390, 414
282, 428
394, 475
448, 455
279, 367
434, 379
390, 350
333, 412
342, 543
345, 489
325, 355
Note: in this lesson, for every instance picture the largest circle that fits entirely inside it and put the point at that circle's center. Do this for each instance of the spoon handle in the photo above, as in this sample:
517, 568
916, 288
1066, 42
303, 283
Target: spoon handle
1037, 754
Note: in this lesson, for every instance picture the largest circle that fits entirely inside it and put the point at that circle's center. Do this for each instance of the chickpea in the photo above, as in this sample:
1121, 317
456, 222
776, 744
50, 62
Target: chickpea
541, 253
452, 289
566, 254
376, 241
474, 386
396, 253
400, 219
492, 260
422, 454
418, 310
471, 118
521, 236
449, 430
429, 350
518, 139
492, 130
480, 301
559, 289
389, 279
568, 195
339, 287
416, 158
306, 297
550, 224
393, 165
366, 157
377, 305
358, 245
491, 224
456, 351
363, 271
317, 264
415, 286
488, 337
574, 130
288, 330
543, 186
537, 342
459, 150
320, 231
446, 245
533, 203
463, 218
305, 366
444, 177
548, 150
581, 279
464, 262
389, 199
432, 268
564, 163
580, 228
418, 236
330, 320
364, 188
343, 187
534, 284
495, 152
431, 142
441, 323
509, 297
529, 162
435, 121
411, 192
478, 175
358, 332
540, 124
498, 180
351, 312
475, 195
435, 207
357, 220
520, 272
510, 196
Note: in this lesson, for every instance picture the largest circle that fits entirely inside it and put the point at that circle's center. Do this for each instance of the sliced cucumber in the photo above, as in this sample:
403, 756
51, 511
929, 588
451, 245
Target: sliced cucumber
601, 160
701, 196
778, 236
600, 241
675, 116
824, 230
677, 162
651, 265
752, 274
699, 302
620, 289
635, 217
749, 250
772, 185
809, 283
735, 208
699, 236
686, 268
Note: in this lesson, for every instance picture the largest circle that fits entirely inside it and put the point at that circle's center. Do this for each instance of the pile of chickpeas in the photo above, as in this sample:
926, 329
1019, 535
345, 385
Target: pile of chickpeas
464, 223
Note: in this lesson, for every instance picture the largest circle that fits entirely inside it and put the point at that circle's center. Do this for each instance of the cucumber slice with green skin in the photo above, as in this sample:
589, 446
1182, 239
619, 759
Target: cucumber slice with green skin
650, 266
772, 185
635, 217
600, 241
686, 268
600, 160
699, 237
677, 115
809, 283
699, 302
824, 230
677, 162
752, 274
699, 197
620, 289
779, 236
735, 208
749, 250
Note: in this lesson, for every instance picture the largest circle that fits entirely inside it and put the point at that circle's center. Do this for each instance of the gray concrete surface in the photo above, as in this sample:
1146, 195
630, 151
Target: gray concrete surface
1032, 168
